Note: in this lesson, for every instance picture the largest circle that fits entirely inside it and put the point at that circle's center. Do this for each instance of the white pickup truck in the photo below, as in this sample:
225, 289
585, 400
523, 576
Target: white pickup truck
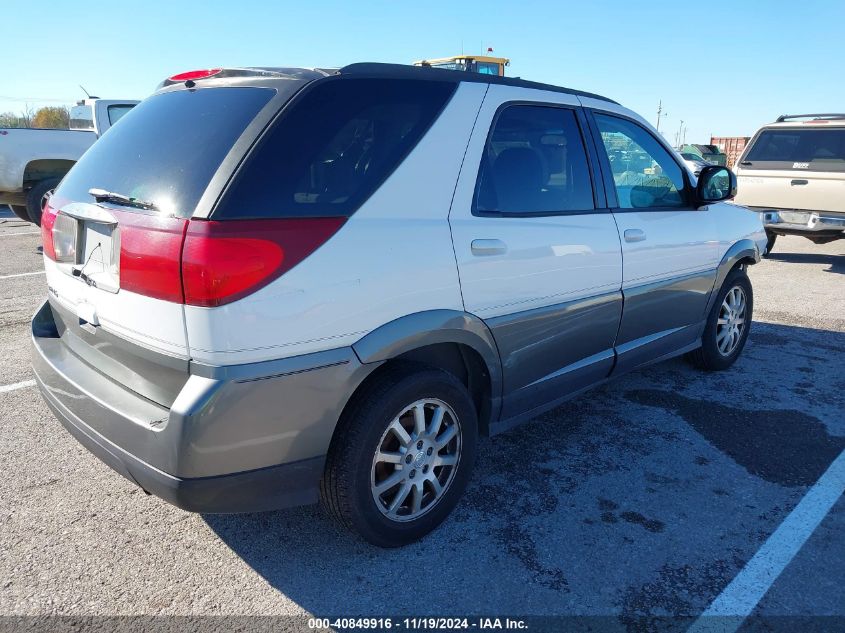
33, 161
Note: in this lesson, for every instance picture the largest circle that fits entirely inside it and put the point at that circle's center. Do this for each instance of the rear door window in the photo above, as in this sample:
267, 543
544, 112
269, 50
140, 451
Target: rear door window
334, 147
167, 148
811, 149
534, 164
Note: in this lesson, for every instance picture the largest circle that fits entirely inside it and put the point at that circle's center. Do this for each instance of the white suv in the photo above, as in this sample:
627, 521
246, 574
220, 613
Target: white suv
268, 286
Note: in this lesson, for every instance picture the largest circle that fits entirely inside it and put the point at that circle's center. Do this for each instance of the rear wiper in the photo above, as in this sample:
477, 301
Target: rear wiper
101, 195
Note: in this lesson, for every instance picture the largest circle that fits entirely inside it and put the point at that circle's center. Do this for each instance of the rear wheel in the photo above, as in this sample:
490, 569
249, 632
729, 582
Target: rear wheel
401, 456
770, 242
20, 212
35, 198
728, 324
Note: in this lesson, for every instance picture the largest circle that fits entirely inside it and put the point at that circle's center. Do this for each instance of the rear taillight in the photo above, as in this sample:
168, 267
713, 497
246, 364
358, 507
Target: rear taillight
48, 219
150, 254
225, 261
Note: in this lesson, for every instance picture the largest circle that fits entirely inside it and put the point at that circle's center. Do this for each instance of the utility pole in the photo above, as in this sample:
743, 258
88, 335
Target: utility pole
659, 112
678, 138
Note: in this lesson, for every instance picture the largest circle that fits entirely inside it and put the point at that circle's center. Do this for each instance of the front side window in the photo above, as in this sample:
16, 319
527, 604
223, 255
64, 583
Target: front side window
534, 163
334, 148
645, 174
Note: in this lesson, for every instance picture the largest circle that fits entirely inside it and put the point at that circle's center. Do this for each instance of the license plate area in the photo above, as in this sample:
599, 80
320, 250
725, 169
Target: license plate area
88, 249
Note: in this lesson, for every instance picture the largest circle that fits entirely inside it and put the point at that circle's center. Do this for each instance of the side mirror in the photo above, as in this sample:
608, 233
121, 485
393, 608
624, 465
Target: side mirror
715, 183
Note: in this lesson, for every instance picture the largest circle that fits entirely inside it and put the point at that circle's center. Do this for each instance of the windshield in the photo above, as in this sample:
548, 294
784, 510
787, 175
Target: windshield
167, 148
813, 149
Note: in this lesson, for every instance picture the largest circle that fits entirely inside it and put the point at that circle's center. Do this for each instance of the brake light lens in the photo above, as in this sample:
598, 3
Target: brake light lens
150, 254
196, 74
225, 261
48, 220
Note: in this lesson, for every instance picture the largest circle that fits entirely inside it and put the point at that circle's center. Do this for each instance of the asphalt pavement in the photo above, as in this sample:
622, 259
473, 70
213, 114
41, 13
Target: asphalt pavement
641, 499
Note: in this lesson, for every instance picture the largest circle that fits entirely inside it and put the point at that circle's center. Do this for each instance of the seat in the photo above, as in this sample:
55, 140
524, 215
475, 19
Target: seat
518, 177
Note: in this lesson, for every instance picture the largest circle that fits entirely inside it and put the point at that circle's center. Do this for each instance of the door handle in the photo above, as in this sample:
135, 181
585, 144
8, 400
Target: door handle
799, 182
488, 247
634, 235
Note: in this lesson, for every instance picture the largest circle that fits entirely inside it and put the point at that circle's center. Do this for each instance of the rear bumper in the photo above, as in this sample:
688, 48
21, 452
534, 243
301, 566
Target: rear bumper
798, 221
239, 439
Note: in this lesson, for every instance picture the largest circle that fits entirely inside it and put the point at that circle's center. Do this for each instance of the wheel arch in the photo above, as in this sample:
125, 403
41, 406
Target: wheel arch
44, 168
455, 341
741, 253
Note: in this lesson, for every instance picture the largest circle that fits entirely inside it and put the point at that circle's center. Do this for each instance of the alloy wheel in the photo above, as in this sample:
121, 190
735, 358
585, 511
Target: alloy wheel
731, 323
416, 460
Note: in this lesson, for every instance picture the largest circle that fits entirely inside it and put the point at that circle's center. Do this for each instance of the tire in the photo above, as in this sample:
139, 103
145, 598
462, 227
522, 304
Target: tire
770, 242
35, 196
719, 347
350, 490
20, 212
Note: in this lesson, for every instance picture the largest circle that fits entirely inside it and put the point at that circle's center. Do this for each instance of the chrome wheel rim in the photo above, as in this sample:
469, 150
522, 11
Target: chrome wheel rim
416, 460
732, 320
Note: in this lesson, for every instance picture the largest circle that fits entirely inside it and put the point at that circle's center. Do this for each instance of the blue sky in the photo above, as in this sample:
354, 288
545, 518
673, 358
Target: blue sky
721, 67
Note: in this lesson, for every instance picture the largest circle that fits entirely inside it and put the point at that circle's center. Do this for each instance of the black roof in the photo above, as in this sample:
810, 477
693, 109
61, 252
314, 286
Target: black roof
401, 71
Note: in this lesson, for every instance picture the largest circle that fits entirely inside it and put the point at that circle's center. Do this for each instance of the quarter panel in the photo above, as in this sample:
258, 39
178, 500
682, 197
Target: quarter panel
392, 258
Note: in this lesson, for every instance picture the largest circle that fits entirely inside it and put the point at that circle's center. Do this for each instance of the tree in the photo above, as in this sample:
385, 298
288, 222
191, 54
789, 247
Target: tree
10, 119
52, 117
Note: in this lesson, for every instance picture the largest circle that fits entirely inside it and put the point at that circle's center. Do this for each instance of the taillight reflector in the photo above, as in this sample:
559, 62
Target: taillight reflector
196, 74
48, 219
150, 252
225, 261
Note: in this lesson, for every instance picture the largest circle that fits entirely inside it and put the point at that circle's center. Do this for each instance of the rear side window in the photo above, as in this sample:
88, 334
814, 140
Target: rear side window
534, 163
116, 112
812, 149
334, 147
167, 148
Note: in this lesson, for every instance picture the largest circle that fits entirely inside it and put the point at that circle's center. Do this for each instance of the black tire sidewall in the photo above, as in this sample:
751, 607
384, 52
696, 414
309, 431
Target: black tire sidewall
34, 196
710, 350
771, 238
20, 211
365, 515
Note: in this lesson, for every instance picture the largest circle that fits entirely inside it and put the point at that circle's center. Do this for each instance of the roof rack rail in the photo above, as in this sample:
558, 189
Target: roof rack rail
826, 115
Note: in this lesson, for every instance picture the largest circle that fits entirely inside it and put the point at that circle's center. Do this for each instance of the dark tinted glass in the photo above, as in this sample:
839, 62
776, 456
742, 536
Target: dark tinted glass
334, 147
821, 149
167, 148
644, 173
534, 162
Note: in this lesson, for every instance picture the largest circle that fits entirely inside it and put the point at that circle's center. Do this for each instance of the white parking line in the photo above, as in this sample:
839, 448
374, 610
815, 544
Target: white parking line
741, 596
26, 233
39, 272
17, 385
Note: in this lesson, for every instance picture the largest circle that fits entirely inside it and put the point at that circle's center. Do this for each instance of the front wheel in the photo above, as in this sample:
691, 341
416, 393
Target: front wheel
401, 456
728, 324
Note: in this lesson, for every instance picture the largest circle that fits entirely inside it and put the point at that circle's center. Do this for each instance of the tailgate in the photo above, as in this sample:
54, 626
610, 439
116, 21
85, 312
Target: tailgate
795, 189
135, 340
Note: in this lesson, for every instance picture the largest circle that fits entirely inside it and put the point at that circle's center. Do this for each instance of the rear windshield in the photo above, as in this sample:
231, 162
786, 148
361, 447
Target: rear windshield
334, 147
167, 148
813, 149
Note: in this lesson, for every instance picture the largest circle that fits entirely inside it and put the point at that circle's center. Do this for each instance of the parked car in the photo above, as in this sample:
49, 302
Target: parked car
709, 153
694, 162
33, 161
793, 171
329, 285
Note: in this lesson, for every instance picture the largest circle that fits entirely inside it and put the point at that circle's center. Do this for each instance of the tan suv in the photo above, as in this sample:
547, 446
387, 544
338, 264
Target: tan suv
793, 171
